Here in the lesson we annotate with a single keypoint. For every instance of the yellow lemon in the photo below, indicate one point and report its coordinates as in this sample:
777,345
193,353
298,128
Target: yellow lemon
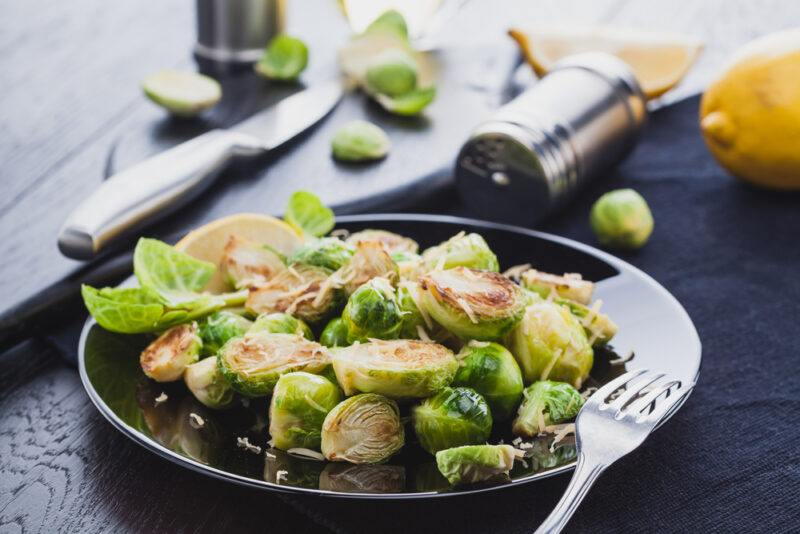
750,115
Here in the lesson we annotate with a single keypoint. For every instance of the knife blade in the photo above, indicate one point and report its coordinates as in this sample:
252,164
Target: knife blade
157,186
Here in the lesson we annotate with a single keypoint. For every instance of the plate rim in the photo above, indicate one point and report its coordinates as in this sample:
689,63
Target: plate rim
193,465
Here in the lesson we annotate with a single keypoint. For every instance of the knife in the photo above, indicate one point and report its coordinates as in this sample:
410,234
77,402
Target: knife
151,189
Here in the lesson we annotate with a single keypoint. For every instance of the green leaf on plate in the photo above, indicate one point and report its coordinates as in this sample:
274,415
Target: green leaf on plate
174,274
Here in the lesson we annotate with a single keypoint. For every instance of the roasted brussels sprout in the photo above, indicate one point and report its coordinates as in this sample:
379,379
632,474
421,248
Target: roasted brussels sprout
219,327
184,94
451,418
334,334
284,58
369,261
461,250
549,343
166,358
372,312
599,327
299,404
546,403
207,384
471,304
622,219
246,263
392,243
364,429
491,370
302,291
392,72
281,323
399,369
475,463
570,286
412,318
542,457
358,141
252,364
365,478
327,252
409,265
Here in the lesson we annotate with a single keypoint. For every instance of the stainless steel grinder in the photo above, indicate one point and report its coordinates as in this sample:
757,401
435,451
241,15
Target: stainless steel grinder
236,31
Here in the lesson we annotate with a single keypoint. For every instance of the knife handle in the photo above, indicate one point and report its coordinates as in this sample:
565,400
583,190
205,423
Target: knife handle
149,190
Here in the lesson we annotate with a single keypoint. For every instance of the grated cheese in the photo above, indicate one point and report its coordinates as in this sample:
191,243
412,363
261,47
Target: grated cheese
161,399
464,306
244,443
516,271
280,475
423,335
561,433
195,421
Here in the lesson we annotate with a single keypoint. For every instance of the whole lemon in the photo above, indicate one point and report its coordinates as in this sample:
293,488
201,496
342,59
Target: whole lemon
750,115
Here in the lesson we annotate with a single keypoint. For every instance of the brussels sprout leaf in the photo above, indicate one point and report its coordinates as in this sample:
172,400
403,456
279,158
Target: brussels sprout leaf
173,274
390,21
411,103
307,214
284,59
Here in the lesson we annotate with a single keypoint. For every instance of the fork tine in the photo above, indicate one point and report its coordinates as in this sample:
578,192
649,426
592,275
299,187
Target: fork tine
662,408
642,403
633,390
600,395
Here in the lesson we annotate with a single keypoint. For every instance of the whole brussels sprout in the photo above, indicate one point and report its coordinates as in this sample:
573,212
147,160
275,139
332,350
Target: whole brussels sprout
328,252
479,305
570,286
281,323
253,363
549,343
364,429
392,243
546,403
399,369
461,250
599,327
334,334
359,141
475,463
207,384
372,312
451,418
491,370
219,327
622,219
365,478
392,72
166,358
246,263
299,404
370,260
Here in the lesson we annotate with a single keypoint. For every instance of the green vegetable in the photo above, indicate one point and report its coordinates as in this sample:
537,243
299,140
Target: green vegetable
461,250
359,141
570,286
409,104
364,478
600,328
175,275
451,418
219,327
307,214
207,384
281,323
334,334
328,252
550,344
412,319
372,312
284,59
392,72
370,260
491,370
364,429
391,22
246,263
184,94
399,369
392,243
299,404
475,463
166,358
546,403
622,219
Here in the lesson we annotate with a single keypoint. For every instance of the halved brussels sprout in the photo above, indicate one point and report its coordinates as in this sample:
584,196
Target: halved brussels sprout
471,304
246,263
491,370
299,404
599,327
391,242
334,334
550,344
253,363
364,429
281,323
328,252
390,21
370,260
372,312
399,369
284,58
409,265
392,72
461,250
451,418
207,384
360,141
570,286
413,320
365,478
475,463
166,358
219,327
300,290
546,403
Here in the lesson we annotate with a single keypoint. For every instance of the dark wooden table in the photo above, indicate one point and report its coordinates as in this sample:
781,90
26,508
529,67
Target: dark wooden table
70,88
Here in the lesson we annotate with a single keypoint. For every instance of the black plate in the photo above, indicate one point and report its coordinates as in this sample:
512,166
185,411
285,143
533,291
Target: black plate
652,324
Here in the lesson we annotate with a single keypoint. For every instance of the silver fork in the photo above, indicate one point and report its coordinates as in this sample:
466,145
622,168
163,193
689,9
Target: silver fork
609,428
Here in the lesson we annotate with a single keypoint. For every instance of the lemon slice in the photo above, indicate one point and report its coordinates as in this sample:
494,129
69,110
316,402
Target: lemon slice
208,242
659,60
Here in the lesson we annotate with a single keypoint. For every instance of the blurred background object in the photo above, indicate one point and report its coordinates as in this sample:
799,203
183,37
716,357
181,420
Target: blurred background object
236,31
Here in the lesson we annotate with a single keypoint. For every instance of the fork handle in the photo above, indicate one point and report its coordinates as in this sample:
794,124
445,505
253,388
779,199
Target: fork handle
586,472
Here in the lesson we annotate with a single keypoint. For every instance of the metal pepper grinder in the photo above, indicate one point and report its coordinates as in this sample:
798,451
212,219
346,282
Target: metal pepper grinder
537,151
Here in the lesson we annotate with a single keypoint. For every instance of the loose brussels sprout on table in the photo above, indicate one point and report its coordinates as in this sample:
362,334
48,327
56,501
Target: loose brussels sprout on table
219,327
359,141
451,418
184,94
334,334
299,404
372,312
476,463
490,369
247,263
281,323
546,403
300,290
622,219
461,250
364,429
208,385
166,358
327,252
284,58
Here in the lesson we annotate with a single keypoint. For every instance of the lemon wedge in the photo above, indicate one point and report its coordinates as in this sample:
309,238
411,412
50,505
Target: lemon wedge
659,60
208,241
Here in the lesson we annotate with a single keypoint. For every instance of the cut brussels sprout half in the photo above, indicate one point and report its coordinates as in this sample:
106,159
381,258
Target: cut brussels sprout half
219,327
252,364
307,214
570,286
491,370
475,463
409,265
364,429
461,250
284,59
372,312
408,104
546,403
392,243
451,418
207,384
328,252
281,323
392,72
358,141
301,291
399,369
390,21
334,334
299,404
184,94
599,327
246,263
622,219
550,344
364,478
370,260
166,358
480,305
